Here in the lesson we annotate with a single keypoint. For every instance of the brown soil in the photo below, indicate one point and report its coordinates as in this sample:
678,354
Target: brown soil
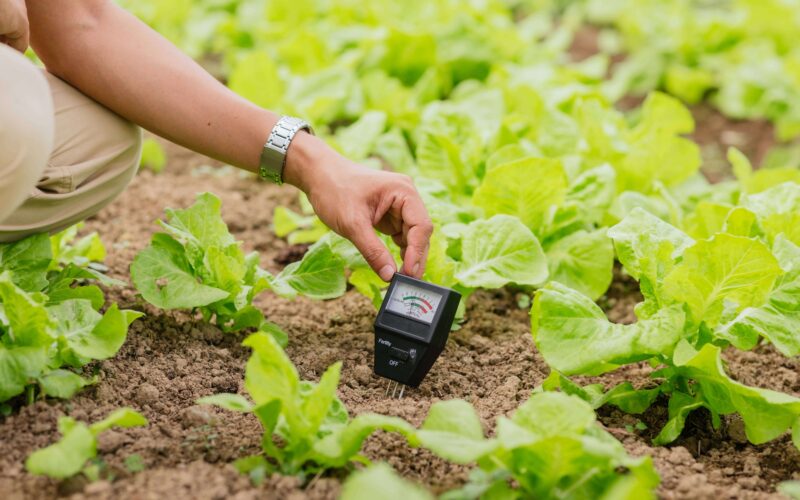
172,358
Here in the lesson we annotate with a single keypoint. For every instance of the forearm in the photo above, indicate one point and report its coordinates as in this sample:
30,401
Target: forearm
120,62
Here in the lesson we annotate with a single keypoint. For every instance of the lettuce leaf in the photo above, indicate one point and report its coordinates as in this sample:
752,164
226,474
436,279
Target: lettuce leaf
575,337
78,444
498,251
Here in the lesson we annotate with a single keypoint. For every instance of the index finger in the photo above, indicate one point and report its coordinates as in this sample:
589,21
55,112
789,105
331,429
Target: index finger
418,228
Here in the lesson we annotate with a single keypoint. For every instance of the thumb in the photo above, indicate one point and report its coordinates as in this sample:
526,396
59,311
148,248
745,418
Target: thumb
374,251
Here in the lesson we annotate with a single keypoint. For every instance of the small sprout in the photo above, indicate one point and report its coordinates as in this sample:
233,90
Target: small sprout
134,463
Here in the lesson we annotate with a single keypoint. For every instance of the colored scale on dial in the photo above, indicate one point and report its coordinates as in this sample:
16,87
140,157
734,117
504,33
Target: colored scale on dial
414,302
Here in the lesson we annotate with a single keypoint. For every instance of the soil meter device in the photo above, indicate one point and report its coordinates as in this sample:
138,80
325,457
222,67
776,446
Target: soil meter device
411,329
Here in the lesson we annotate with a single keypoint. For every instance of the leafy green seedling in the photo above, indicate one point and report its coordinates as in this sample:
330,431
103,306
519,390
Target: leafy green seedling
551,447
740,284
198,264
134,463
78,444
50,327
306,426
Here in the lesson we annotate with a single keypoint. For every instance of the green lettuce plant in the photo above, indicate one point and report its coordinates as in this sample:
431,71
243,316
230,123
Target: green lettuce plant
699,51
551,447
78,445
197,264
51,324
306,427
736,287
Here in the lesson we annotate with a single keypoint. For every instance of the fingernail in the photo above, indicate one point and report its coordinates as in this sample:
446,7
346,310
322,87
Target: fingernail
415,269
386,273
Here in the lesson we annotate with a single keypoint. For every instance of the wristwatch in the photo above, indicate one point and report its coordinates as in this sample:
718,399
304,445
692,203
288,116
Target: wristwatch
273,156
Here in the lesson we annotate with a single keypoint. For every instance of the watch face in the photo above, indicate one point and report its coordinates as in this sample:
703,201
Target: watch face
414,302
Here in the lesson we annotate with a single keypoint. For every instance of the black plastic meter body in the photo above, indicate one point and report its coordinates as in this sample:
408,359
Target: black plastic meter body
412,327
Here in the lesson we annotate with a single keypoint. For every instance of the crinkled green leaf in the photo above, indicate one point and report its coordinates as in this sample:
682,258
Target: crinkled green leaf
365,484
66,250
298,227
164,277
726,267
87,333
368,284
319,275
24,315
550,414
60,287
507,189
358,140
318,403
498,251
623,395
453,430
198,227
226,267
447,150
588,199
269,374
66,457
62,383
575,337
339,448
393,148
680,405
778,320
778,210
121,417
28,261
20,366
78,444
644,242
656,151
707,220
549,447
766,414
440,268
583,261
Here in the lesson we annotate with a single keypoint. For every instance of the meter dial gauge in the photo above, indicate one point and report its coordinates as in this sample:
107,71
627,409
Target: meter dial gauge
414,302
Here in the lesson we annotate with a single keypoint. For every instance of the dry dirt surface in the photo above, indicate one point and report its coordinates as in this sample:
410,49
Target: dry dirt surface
172,358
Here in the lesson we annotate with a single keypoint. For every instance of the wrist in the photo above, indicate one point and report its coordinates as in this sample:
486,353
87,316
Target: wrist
303,159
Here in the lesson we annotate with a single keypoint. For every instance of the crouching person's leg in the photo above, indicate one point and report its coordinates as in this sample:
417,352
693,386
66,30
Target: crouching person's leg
95,155
26,128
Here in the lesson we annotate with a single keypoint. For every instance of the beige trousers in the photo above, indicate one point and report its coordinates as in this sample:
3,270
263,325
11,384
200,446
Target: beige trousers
63,156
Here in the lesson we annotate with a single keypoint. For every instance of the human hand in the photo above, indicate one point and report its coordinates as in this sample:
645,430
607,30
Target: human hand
14,30
352,200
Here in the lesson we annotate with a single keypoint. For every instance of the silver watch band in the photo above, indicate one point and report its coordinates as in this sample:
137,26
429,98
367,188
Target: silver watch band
273,156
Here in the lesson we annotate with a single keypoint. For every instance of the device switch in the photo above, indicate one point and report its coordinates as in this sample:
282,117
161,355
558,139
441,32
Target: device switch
399,354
